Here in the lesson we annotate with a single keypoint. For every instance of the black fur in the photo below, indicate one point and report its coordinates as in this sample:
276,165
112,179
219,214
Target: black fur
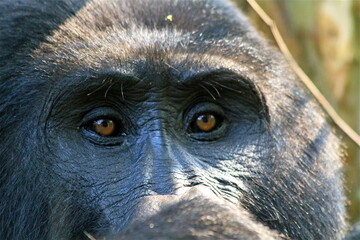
153,63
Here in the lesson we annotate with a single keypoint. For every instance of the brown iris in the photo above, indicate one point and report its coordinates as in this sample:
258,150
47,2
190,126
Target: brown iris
206,122
104,127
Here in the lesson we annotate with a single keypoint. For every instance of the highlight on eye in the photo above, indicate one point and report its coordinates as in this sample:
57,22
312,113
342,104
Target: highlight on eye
206,122
104,127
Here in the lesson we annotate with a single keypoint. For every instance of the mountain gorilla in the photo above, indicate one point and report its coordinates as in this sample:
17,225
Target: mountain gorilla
162,119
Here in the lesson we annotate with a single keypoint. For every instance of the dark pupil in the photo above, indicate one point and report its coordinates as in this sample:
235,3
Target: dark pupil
103,123
204,118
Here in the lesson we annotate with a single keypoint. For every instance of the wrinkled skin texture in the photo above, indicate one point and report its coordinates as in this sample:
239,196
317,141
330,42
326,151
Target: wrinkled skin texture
271,166
199,215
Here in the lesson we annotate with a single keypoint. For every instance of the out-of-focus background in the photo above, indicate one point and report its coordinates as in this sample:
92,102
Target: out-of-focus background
324,38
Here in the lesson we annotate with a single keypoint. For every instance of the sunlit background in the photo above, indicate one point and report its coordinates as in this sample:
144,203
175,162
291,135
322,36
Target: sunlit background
324,38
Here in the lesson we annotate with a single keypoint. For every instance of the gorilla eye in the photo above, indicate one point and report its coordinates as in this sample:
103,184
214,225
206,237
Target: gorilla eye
103,122
104,127
206,122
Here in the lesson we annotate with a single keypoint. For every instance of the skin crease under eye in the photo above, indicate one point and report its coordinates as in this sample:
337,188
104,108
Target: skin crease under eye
206,122
104,127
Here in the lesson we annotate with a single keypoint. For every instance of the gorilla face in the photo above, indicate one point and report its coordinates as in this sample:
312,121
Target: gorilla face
118,116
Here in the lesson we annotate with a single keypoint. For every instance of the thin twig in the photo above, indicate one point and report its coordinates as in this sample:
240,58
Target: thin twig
89,235
301,74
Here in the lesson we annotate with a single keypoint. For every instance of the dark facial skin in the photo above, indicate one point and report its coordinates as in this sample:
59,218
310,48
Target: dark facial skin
69,70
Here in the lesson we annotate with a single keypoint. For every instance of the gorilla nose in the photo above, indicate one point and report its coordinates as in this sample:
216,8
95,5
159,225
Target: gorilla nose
152,205
196,213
